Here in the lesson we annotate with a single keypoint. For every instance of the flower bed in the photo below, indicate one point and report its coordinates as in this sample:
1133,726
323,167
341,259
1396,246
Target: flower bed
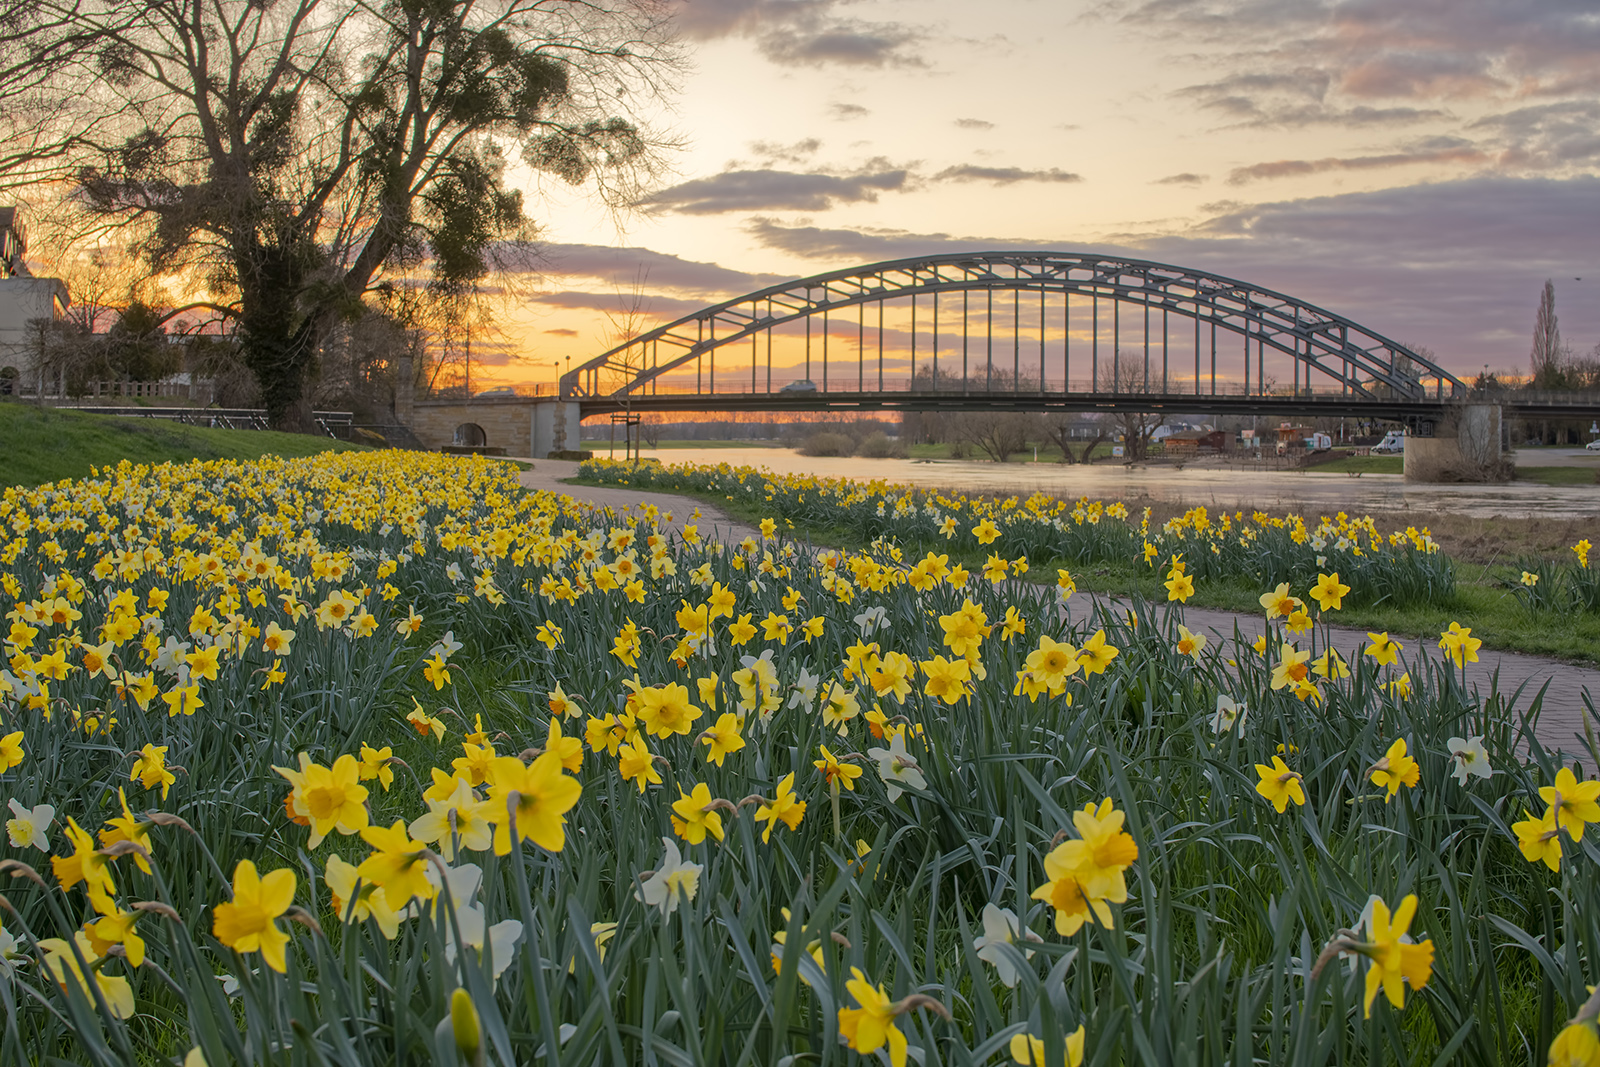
375,758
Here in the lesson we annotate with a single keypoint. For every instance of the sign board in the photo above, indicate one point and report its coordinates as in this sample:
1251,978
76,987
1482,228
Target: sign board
1116,451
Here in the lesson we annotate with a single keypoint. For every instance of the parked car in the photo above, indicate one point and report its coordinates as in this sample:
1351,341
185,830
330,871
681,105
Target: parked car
802,386
1593,446
1393,444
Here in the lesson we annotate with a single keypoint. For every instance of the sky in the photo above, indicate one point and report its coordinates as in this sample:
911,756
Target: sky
1419,166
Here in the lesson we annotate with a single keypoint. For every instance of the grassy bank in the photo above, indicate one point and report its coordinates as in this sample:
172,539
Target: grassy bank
39,445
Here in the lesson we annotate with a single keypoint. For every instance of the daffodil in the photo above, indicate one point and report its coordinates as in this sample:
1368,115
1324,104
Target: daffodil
1395,769
247,923
1001,927
332,798
1279,785
674,882
695,814
1539,839
784,807
724,737
870,1026
1392,960
1027,1049
1574,802
31,826
61,961
1329,592
398,864
1470,758
897,767
530,802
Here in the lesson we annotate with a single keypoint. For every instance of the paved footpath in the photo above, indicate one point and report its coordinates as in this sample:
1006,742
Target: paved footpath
1565,685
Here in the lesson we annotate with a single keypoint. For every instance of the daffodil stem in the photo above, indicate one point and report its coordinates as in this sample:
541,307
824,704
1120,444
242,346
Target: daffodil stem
833,792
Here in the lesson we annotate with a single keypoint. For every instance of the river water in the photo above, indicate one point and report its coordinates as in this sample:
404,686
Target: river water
1233,487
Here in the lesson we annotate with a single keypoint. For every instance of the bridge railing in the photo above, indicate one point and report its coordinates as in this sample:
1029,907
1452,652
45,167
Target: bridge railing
981,385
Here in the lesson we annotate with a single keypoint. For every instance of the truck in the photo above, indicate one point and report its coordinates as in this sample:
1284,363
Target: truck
1393,444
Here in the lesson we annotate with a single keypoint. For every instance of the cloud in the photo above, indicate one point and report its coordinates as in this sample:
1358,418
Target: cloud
1186,178
1003,175
974,124
1547,136
795,154
858,44
1456,266
847,112
651,306
1453,151
845,246
625,267
801,32
774,190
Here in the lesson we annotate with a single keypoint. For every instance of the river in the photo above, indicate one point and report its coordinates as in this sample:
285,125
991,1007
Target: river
1233,487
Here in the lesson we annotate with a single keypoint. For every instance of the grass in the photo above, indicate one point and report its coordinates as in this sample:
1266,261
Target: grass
1484,601
46,445
1559,475
1361,465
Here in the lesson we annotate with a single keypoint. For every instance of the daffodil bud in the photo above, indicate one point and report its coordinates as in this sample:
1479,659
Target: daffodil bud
464,1023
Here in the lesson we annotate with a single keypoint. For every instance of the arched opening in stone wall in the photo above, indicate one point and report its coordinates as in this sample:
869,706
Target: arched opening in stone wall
470,435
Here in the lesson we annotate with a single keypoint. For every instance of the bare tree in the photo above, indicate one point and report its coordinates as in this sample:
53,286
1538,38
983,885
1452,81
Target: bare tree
998,434
1058,431
1546,356
1135,427
282,158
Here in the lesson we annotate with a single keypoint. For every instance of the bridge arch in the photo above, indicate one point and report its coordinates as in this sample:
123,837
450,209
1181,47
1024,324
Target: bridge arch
1328,352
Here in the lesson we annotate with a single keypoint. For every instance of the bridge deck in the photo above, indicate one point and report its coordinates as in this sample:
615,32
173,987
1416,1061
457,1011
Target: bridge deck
1310,404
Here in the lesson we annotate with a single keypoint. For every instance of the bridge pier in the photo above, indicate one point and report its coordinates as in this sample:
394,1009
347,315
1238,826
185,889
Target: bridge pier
555,427
1465,446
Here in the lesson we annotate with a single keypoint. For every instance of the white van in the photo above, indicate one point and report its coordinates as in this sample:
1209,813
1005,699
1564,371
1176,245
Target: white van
1393,444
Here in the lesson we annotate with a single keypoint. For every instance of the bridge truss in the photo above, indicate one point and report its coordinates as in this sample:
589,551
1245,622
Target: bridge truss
1157,334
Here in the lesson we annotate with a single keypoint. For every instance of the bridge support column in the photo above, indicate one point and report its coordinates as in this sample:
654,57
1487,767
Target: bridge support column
555,427
1464,447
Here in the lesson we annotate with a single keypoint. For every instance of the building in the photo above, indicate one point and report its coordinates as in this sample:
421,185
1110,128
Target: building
1193,442
26,302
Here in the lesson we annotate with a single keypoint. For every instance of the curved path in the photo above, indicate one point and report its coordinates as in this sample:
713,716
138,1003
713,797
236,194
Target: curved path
1571,692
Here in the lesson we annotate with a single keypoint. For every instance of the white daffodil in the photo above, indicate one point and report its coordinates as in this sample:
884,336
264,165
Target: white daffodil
8,952
805,691
471,827
871,620
1000,927
501,938
897,768
170,658
1229,716
447,645
31,826
673,878
453,572
1471,758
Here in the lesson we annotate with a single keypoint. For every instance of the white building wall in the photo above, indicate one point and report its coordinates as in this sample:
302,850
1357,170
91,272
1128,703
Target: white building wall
23,300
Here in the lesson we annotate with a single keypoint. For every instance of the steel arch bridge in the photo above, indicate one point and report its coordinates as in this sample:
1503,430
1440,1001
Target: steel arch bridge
1127,353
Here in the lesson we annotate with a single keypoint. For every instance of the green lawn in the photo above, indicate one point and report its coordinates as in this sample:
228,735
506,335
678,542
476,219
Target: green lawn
39,445
1558,475
1361,465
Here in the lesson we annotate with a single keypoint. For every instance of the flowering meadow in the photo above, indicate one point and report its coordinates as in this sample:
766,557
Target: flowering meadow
1401,569
377,758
